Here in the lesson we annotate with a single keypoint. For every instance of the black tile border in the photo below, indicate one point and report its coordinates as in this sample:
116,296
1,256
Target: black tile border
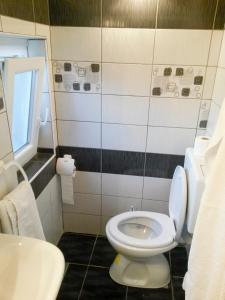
162,165
43,179
123,162
28,10
85,13
174,14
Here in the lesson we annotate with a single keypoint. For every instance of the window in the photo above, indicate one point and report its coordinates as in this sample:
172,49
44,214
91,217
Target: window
23,85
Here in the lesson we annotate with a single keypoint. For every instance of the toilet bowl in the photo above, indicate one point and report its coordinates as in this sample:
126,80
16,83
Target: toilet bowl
141,238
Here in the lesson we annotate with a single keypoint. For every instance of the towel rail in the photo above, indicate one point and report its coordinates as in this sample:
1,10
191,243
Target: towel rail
13,163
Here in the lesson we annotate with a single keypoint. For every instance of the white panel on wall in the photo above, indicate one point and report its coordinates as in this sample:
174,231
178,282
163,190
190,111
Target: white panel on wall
156,188
45,138
127,45
126,79
45,105
219,87
213,117
170,140
125,109
174,112
124,137
85,203
79,134
209,82
221,62
122,185
78,107
87,182
112,206
13,25
156,206
5,142
214,52
44,31
81,223
73,43
178,46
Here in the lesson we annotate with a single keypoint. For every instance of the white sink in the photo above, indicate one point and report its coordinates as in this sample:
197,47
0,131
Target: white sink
30,269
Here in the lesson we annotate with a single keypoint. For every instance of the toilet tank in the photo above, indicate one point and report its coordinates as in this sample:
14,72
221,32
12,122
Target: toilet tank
194,169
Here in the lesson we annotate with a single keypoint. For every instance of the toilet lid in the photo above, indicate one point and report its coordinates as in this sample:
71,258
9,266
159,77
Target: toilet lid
178,200
142,229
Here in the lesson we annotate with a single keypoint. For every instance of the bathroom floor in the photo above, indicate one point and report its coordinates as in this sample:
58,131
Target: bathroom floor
88,258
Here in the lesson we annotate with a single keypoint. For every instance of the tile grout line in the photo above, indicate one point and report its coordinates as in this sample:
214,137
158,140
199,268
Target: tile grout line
81,289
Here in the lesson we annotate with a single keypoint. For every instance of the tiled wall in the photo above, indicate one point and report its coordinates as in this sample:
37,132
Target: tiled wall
133,85
33,21
219,89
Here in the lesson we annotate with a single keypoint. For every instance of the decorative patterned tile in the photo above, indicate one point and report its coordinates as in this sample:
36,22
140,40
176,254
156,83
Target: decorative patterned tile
99,286
145,294
103,254
76,248
72,282
77,77
85,13
129,13
179,261
178,82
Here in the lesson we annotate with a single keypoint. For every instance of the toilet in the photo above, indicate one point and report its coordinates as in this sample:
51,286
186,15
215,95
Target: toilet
141,237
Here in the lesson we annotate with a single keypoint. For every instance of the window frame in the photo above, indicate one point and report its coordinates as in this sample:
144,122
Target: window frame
11,68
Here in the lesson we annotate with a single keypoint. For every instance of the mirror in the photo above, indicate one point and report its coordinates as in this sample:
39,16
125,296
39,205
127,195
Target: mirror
27,103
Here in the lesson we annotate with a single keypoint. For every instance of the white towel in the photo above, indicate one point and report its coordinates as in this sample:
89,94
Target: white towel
216,138
21,209
205,279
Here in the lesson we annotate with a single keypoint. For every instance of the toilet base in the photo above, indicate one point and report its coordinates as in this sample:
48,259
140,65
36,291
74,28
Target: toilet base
153,272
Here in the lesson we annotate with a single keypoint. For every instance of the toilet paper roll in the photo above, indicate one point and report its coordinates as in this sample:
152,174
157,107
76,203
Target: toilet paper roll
65,166
201,144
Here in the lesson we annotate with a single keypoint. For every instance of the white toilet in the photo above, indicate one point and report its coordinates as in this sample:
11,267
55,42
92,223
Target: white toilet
141,237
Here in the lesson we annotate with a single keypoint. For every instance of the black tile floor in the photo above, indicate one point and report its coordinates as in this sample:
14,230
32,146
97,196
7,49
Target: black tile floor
88,259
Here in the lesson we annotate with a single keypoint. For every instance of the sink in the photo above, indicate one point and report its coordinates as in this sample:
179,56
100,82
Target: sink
29,269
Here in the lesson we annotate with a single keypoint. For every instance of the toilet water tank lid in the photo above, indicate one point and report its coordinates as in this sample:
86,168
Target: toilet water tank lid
178,200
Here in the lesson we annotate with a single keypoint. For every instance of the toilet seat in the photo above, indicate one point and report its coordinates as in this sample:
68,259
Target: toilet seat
160,227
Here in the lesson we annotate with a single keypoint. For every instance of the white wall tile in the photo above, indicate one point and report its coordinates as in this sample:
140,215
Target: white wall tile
112,206
125,109
124,137
79,134
13,25
44,31
213,117
170,140
126,79
209,82
79,107
5,141
87,182
178,46
127,45
221,62
81,223
85,203
104,220
155,206
214,52
76,43
174,112
156,188
219,87
122,185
